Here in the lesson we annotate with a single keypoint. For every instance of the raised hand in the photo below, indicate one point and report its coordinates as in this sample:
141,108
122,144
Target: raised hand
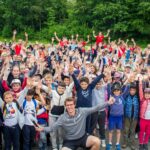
26,34
14,32
111,101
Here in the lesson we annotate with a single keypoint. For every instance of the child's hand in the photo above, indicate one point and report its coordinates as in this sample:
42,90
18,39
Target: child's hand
111,101
39,129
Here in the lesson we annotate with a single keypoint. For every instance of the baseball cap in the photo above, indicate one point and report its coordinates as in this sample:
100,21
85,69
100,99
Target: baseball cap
15,81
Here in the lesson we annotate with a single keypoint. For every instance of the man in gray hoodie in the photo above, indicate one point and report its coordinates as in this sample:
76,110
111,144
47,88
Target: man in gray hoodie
73,121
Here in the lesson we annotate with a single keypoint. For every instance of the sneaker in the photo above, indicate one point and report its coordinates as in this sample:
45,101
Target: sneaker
109,147
145,146
141,147
118,147
132,147
124,146
136,136
103,143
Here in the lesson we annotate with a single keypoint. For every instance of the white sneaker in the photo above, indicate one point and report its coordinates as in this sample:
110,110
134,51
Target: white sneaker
136,136
60,146
103,143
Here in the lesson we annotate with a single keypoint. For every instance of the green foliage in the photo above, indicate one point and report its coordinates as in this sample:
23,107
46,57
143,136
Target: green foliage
41,18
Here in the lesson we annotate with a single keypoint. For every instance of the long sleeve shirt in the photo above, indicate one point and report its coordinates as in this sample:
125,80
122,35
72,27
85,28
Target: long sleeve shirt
84,97
74,126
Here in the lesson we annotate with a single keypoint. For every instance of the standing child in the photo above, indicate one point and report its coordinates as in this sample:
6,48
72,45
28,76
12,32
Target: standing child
116,113
29,105
131,112
11,115
99,96
144,133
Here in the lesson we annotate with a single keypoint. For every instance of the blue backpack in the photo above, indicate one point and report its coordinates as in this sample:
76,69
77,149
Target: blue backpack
33,100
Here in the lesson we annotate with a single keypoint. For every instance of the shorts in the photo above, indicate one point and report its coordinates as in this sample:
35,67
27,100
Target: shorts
115,122
74,144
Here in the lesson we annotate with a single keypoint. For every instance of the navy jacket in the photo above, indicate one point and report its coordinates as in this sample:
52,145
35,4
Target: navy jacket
84,97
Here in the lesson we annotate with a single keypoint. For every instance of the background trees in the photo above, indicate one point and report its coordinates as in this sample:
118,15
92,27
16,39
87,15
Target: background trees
40,18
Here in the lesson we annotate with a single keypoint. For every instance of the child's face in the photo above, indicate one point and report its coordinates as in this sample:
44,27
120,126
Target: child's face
48,81
92,69
29,97
84,85
43,94
8,98
147,95
16,71
61,89
117,92
132,91
16,87
67,81
99,85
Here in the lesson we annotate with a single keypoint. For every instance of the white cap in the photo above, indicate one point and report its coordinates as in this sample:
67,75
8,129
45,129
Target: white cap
15,81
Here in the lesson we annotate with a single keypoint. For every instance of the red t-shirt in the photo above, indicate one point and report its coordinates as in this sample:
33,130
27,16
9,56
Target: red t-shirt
83,43
99,39
132,49
63,43
18,49
123,49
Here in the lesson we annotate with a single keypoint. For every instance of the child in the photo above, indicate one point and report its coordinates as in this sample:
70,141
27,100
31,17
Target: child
144,133
57,108
29,106
11,115
69,85
42,116
131,111
116,114
99,96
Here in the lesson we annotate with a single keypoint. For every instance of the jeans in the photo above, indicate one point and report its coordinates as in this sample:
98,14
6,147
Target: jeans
56,134
11,136
28,136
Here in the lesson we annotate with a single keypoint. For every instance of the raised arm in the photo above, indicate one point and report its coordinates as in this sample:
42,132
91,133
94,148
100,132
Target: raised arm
26,39
141,94
94,34
55,34
108,31
76,82
93,84
14,36
88,39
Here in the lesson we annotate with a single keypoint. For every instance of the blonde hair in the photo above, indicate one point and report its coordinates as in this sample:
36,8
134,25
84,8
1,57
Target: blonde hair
48,76
7,93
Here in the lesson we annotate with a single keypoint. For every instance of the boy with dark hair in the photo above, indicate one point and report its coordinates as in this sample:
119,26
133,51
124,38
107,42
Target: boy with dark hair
131,112
116,112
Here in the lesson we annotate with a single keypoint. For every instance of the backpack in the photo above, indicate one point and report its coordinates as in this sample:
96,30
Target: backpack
25,102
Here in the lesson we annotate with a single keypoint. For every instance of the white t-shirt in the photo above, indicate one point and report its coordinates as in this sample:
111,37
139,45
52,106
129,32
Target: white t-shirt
30,112
11,117
147,113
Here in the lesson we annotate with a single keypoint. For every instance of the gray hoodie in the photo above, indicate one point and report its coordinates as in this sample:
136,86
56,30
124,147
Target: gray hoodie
74,126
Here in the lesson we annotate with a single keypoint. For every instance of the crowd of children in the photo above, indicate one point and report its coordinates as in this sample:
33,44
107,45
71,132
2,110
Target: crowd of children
36,79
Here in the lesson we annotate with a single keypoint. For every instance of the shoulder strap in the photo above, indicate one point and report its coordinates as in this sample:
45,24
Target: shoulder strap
24,103
35,103
4,107
33,100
